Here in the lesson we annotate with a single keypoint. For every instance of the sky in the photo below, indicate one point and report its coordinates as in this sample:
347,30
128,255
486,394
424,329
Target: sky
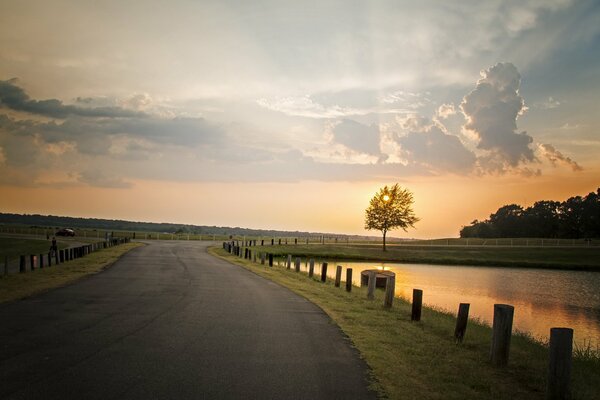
291,115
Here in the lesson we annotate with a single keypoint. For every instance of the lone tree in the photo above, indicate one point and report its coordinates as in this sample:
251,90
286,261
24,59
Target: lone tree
389,209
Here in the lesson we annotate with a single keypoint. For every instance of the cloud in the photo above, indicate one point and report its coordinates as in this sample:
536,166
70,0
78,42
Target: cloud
356,136
98,178
15,98
556,157
491,110
446,110
548,104
426,144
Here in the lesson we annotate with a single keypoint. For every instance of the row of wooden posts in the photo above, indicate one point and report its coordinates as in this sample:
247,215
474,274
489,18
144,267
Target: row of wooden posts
61,256
561,339
279,241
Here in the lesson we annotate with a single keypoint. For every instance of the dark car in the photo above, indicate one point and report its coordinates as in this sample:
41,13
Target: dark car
65,232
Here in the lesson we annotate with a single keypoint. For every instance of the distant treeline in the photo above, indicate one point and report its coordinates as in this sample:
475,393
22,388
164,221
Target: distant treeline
36,220
575,218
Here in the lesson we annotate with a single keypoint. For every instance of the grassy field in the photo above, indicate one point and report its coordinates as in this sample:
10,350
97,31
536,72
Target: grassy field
14,247
583,258
18,286
420,360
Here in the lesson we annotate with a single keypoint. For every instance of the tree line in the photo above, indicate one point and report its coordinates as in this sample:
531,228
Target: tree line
575,218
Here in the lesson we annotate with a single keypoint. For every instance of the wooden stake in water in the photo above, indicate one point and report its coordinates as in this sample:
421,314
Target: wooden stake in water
461,322
559,367
501,334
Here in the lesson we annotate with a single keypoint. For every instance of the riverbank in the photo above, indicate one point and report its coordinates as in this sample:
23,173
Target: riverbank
18,286
570,258
421,359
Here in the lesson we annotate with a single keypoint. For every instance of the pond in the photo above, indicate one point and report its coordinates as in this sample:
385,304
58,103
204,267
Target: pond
542,298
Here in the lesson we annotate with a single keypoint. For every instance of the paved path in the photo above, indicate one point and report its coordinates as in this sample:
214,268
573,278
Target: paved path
169,321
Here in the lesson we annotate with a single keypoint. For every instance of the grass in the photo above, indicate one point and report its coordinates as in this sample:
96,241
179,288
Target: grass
420,359
14,247
582,258
18,286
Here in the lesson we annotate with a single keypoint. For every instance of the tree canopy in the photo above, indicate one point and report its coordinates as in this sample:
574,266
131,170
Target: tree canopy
574,218
389,209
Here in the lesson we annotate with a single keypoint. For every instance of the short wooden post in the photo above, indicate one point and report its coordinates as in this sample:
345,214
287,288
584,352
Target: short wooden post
41,261
22,264
254,256
297,264
461,322
417,304
324,272
348,279
390,288
311,267
270,259
559,367
50,259
289,262
262,258
501,333
371,285
279,242
272,242
32,262
338,275
262,242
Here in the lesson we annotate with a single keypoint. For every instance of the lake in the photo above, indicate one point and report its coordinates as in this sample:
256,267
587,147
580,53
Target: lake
542,298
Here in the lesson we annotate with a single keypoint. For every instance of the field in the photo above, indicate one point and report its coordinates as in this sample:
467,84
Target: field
576,258
421,359
18,286
14,247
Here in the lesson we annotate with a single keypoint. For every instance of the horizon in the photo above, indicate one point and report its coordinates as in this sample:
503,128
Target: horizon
291,117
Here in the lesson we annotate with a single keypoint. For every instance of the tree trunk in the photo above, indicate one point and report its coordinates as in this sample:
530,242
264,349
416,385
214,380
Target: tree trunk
384,233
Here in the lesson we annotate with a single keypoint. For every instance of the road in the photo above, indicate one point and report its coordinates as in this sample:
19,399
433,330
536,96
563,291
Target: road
169,321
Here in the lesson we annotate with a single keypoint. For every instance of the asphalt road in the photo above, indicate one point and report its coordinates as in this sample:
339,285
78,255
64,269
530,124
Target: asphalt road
169,321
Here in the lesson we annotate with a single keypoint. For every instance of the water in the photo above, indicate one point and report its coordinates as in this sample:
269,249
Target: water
542,298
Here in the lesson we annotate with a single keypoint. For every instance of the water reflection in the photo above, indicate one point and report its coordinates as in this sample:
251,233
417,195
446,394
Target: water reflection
542,298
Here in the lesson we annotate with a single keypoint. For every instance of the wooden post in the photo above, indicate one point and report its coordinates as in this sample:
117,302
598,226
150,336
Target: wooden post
41,261
22,264
311,267
56,258
371,285
289,262
49,258
32,262
324,272
559,367
461,322
502,330
390,288
254,256
297,264
338,275
417,304
270,259
348,279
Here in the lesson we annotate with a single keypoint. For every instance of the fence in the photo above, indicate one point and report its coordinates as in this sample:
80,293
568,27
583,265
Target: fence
34,261
561,339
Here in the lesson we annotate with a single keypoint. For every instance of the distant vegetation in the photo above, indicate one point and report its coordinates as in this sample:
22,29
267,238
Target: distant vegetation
575,218
36,220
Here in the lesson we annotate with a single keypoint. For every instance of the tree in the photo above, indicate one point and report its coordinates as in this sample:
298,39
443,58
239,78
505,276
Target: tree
389,209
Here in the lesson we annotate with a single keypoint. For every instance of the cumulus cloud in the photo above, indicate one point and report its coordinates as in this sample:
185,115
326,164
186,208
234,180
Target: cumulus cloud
15,98
492,109
356,136
556,157
426,144
446,110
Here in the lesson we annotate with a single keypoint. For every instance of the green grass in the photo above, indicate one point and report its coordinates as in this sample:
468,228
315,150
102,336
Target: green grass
15,247
420,360
582,258
18,286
